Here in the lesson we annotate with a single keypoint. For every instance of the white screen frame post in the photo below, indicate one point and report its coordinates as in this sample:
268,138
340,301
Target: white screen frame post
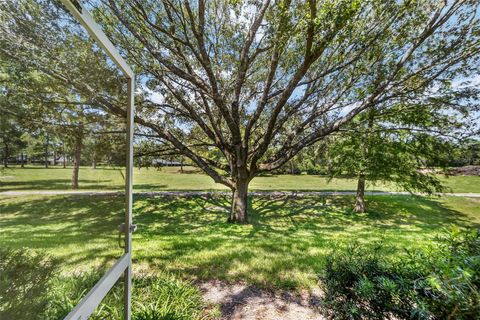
124,265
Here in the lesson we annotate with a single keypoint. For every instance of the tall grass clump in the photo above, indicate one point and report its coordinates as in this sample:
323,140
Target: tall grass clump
31,287
66,291
159,297
166,297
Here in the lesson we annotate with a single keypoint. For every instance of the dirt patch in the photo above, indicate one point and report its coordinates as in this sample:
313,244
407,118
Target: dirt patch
465,171
241,301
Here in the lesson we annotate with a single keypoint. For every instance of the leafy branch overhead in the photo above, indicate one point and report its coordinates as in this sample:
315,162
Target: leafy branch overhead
262,81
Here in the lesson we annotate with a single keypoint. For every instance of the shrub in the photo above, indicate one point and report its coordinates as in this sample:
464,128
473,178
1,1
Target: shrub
451,287
439,282
24,282
361,283
313,169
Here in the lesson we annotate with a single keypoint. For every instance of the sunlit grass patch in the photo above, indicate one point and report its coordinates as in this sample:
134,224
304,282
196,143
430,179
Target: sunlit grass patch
171,178
286,243
284,246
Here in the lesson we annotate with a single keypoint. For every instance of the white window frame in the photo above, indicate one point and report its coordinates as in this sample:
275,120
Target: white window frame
92,299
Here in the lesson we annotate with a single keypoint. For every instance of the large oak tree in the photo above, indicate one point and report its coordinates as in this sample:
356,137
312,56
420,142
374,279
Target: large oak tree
261,80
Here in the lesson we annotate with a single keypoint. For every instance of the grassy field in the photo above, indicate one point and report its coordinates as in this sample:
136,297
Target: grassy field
39,178
283,247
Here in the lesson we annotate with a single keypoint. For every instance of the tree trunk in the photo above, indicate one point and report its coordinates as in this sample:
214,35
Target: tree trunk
94,157
64,155
46,152
360,197
6,155
22,161
54,157
239,211
77,158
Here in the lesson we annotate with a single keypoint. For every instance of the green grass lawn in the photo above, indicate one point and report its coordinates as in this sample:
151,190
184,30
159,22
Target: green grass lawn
284,246
80,231
39,178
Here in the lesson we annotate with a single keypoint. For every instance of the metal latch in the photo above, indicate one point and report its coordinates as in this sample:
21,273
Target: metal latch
121,230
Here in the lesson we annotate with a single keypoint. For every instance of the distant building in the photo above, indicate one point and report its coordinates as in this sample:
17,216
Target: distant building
165,163
37,160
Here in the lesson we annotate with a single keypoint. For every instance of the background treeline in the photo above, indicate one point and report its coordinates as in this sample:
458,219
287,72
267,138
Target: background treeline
37,147
46,123
310,162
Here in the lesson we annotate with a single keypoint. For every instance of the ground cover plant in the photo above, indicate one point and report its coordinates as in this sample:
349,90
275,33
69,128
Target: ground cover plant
159,297
171,178
441,281
43,293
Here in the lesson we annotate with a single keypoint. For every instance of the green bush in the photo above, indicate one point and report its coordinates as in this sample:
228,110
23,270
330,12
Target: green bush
362,284
313,169
439,282
451,288
24,283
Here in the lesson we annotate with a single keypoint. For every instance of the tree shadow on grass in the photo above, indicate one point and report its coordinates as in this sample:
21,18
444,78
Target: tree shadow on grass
151,187
57,184
287,240
78,230
284,245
